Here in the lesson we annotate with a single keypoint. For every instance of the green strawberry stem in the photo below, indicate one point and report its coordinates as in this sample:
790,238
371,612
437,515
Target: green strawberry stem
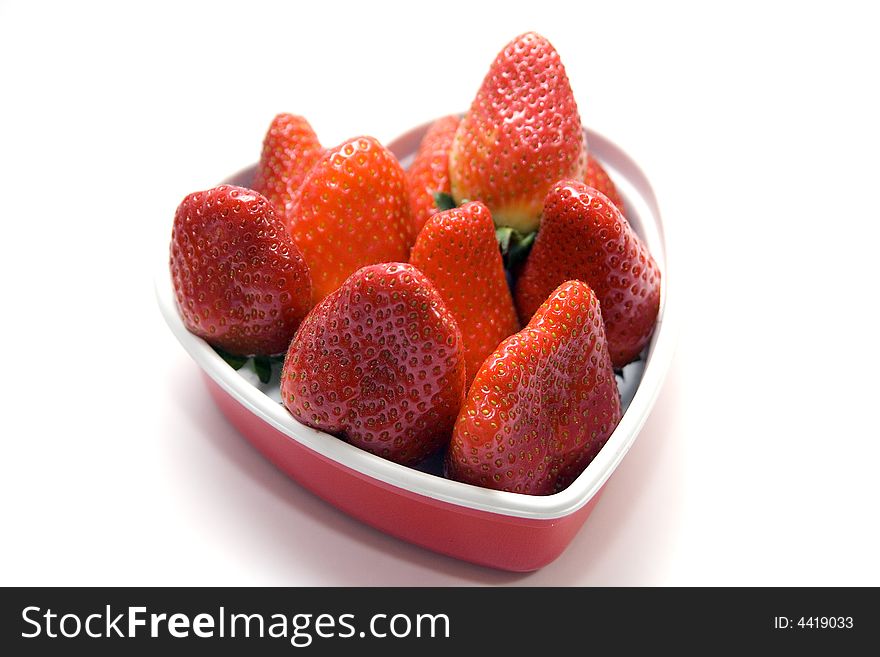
263,368
444,201
262,364
503,234
514,245
234,361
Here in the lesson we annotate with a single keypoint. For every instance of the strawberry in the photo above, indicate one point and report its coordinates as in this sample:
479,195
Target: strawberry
379,363
429,172
521,134
290,149
597,178
350,211
584,236
543,404
241,283
458,251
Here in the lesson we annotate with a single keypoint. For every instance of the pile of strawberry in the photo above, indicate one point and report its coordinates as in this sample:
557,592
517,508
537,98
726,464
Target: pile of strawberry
478,302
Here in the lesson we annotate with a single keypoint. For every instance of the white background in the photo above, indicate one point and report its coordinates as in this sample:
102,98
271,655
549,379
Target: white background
757,123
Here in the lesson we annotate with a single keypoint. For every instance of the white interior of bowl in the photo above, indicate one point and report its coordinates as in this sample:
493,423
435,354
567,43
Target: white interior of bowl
639,387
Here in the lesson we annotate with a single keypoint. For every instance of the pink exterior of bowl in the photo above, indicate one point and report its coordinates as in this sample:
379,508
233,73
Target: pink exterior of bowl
522,540
488,539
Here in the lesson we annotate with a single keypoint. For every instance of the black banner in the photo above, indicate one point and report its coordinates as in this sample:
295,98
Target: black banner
113,621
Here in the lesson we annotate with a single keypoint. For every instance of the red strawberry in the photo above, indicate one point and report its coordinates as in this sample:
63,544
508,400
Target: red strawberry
458,251
290,149
522,134
351,211
543,404
379,363
429,171
597,178
241,283
584,236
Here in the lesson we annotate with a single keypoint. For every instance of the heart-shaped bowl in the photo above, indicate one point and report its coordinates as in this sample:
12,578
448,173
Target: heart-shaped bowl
510,531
